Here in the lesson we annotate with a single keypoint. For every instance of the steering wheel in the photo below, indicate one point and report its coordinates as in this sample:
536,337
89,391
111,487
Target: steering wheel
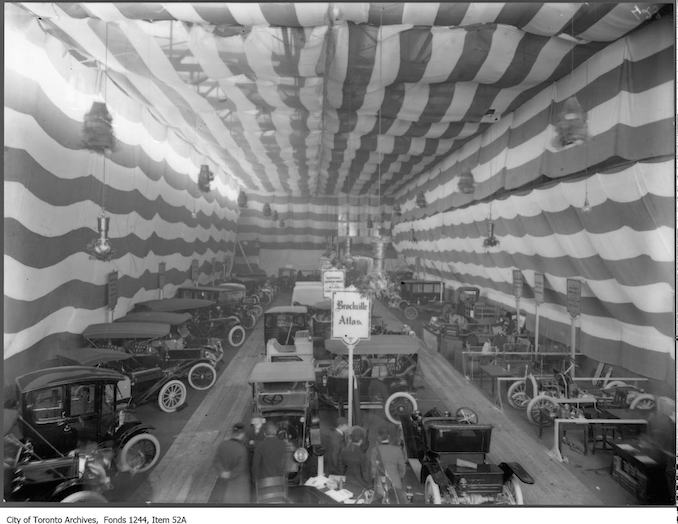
271,400
467,416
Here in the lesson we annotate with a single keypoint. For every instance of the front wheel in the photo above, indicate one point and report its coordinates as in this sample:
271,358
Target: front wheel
236,336
398,405
84,497
512,493
541,410
172,396
257,310
643,401
431,491
266,298
411,312
139,453
202,376
248,320
516,396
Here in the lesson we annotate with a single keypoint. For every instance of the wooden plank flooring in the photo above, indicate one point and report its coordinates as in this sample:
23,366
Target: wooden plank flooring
186,473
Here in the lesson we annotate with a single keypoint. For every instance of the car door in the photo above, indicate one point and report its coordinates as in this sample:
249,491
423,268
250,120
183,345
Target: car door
46,421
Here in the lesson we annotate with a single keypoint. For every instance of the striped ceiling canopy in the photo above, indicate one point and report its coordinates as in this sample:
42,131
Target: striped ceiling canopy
310,99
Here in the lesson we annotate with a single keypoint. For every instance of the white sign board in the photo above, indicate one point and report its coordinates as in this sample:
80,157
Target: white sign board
333,280
351,314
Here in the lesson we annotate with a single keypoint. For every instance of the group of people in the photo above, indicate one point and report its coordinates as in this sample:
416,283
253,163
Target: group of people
377,465
254,454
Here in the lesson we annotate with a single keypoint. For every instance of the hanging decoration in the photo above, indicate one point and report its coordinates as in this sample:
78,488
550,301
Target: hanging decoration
275,215
205,178
466,183
491,240
282,222
587,206
370,224
101,248
421,199
571,125
97,129
413,238
242,199
396,210
267,209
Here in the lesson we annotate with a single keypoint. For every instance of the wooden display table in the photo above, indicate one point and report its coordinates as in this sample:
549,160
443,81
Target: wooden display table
641,469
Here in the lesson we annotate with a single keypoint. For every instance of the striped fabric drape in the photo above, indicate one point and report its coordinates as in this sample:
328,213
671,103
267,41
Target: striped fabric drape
54,189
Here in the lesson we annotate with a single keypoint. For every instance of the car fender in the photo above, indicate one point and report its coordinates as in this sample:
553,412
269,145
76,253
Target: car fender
514,468
314,432
128,430
433,468
66,488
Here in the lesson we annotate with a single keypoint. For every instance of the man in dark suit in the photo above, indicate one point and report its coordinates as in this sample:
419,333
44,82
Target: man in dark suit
270,454
334,441
233,483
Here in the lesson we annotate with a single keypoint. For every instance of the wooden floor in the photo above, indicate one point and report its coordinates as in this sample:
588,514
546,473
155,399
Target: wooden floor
186,475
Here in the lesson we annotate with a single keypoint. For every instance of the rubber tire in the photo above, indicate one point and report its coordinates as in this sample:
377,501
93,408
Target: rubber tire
249,322
531,406
208,369
178,386
513,485
517,388
614,384
432,492
390,400
266,299
123,461
84,497
403,304
235,341
411,312
257,310
646,401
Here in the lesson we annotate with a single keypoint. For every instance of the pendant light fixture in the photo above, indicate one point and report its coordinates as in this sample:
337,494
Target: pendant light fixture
491,240
205,178
466,183
267,210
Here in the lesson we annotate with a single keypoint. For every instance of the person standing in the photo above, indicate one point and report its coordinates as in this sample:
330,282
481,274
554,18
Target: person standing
353,463
387,465
334,442
270,455
233,483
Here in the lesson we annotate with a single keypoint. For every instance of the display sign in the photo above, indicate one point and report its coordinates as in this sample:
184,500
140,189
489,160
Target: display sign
539,288
333,280
517,283
112,289
161,275
351,313
194,270
573,297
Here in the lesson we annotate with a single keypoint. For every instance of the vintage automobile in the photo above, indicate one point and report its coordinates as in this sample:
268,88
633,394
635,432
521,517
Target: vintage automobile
384,367
140,384
282,323
182,342
448,454
286,278
417,296
61,409
283,393
152,345
207,319
257,285
231,303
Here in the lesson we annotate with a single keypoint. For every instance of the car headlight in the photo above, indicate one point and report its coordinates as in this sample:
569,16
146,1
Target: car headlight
300,455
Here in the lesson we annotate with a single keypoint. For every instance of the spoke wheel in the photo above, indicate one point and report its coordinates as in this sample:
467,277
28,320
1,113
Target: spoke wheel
540,410
202,376
266,299
467,415
398,405
139,454
249,320
512,493
516,396
411,312
643,401
236,336
172,396
84,497
431,491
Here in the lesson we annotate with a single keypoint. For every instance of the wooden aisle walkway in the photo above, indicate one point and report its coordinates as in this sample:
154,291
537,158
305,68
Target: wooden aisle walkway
186,473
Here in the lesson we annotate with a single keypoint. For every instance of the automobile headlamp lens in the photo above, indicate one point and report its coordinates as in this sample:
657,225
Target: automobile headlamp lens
300,455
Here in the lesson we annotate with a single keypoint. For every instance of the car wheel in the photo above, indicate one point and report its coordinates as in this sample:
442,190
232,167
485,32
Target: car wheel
466,415
266,299
249,320
512,493
139,453
84,497
432,491
644,401
257,310
541,410
516,396
236,336
403,304
398,405
172,396
202,376
614,384
411,312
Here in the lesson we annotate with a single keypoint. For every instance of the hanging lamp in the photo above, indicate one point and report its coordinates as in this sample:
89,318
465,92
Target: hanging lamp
267,209
491,240
466,183
242,199
205,178
97,129
421,199
275,215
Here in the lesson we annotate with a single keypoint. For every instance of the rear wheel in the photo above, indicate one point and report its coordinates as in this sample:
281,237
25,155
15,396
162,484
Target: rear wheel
248,320
512,493
402,305
257,310
85,497
431,491
236,336
172,396
139,453
202,376
516,396
266,298
643,401
398,405
542,410
411,312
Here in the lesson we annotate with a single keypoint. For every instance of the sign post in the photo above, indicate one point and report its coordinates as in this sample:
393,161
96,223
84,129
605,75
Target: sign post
538,299
517,293
333,280
112,292
350,324
574,309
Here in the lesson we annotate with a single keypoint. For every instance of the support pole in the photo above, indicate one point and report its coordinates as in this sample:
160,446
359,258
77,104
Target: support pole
536,328
351,347
573,351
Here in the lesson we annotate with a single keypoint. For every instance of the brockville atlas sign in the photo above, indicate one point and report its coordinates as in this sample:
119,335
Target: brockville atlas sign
350,316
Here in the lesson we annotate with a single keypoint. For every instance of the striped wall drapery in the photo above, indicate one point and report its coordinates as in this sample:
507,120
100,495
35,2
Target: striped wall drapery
54,189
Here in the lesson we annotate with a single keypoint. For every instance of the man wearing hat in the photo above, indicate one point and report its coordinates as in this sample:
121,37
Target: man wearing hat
334,441
354,464
233,483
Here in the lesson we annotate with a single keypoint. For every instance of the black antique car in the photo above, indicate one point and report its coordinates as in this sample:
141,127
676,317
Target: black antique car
231,303
419,296
146,379
384,367
448,454
257,285
283,393
155,350
68,408
282,323
207,318
286,278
